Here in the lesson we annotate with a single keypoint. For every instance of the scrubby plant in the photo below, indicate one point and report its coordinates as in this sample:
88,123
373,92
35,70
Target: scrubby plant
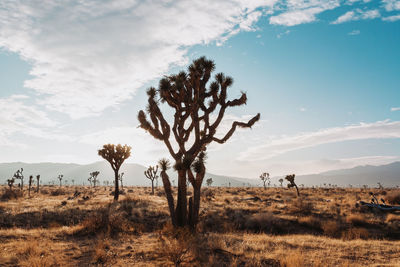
115,155
264,177
60,177
193,127
290,179
151,174
209,181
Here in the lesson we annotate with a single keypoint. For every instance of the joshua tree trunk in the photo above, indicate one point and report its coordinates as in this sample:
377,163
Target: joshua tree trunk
181,205
152,187
116,190
170,198
37,187
297,190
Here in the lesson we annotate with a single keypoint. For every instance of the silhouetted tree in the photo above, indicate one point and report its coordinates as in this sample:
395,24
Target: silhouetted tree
281,181
264,177
93,178
60,177
290,179
194,125
209,181
120,176
73,181
10,182
115,155
30,184
151,174
19,175
37,183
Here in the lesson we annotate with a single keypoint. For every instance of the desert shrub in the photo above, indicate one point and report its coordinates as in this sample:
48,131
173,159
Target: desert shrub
263,222
108,221
331,228
11,194
356,220
44,191
58,192
310,221
393,197
355,233
207,192
302,206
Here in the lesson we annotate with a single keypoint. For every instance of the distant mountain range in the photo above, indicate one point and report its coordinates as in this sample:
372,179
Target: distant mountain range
388,175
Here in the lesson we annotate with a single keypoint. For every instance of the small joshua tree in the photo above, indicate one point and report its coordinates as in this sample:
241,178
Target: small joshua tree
198,110
120,176
115,155
281,181
93,178
151,174
209,181
264,177
18,175
10,182
73,182
30,184
37,183
60,177
290,179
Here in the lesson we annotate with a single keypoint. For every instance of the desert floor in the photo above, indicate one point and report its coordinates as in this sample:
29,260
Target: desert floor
81,226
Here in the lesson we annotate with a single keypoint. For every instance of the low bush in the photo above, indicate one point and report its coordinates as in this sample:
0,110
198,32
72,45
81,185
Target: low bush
393,197
11,194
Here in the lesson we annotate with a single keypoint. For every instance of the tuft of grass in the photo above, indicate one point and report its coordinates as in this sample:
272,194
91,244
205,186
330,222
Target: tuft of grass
292,259
356,220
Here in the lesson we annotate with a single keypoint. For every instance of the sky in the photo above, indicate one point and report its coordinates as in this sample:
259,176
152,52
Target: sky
324,74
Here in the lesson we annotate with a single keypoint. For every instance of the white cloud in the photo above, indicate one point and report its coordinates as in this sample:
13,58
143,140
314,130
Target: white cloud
391,18
303,109
391,5
299,12
284,144
357,14
395,109
17,116
88,55
354,32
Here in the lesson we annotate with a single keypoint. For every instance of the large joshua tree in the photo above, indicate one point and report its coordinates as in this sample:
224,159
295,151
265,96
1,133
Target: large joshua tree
198,109
115,155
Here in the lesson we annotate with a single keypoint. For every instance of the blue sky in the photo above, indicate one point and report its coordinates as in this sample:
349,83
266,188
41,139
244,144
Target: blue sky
323,74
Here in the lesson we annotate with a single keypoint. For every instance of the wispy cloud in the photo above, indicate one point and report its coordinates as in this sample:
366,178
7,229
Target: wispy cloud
395,109
357,14
391,18
354,32
284,144
88,55
300,12
18,116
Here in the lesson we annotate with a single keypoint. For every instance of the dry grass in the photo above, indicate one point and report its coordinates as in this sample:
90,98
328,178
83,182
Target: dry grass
238,227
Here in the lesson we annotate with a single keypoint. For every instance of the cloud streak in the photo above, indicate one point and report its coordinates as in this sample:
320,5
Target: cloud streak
274,147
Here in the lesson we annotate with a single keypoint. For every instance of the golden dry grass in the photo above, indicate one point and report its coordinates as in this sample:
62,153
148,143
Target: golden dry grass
238,227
